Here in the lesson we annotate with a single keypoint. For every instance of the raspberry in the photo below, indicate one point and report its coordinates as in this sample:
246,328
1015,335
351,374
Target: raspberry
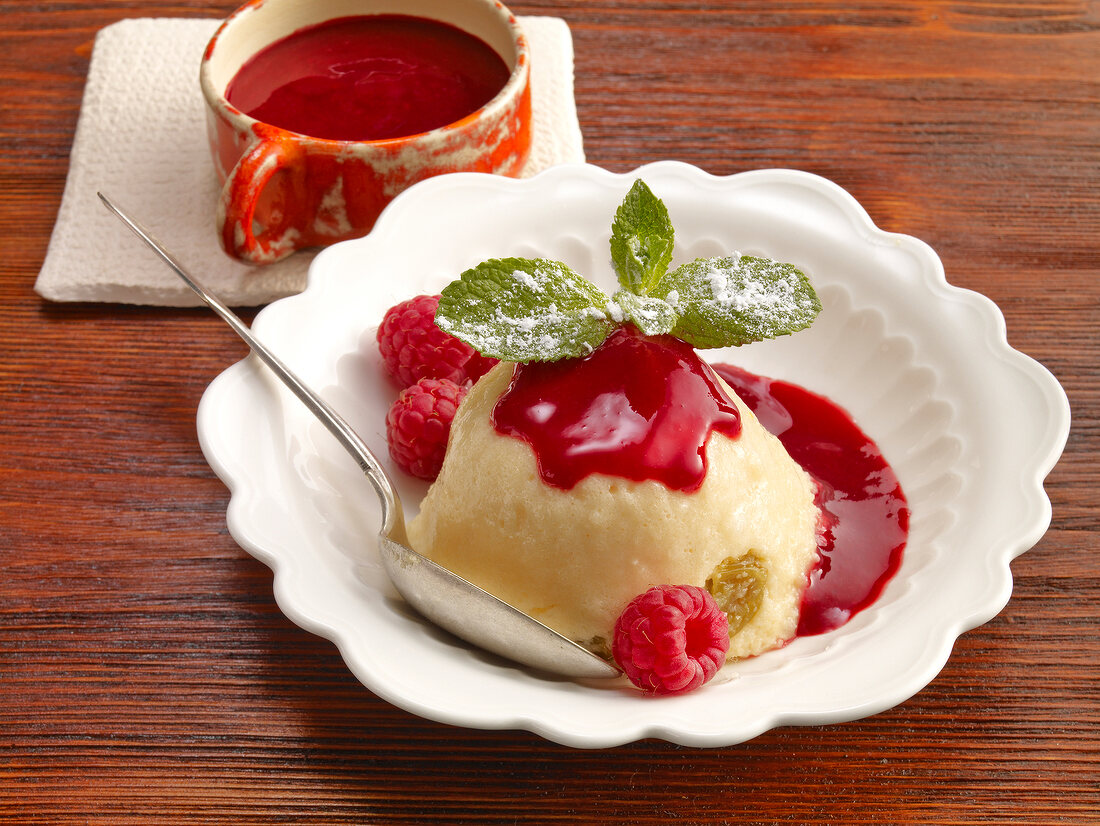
671,639
414,348
418,424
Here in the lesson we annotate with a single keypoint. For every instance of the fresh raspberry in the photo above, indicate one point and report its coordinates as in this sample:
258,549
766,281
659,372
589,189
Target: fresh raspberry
671,639
419,422
414,348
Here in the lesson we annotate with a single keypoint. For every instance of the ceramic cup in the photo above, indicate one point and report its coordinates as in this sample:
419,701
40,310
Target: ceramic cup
285,191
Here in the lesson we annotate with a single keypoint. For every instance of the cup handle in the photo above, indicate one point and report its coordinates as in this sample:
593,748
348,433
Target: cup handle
240,196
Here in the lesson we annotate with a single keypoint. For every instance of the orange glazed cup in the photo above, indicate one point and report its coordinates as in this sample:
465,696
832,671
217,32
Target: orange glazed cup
284,191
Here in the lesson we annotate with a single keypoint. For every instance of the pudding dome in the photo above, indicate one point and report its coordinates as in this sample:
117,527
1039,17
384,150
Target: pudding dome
574,554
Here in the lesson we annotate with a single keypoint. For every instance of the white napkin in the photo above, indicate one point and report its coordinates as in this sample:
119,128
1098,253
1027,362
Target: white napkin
141,140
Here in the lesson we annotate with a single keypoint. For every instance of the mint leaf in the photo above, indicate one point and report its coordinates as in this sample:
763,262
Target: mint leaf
727,302
521,309
652,316
641,240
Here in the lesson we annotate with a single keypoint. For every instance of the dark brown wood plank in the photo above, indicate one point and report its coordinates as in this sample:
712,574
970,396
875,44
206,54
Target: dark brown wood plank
146,674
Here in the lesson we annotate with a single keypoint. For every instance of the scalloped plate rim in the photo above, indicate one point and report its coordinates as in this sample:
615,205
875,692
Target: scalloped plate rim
659,725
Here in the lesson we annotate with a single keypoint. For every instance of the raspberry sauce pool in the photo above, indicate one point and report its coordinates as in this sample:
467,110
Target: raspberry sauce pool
864,512
369,77
643,407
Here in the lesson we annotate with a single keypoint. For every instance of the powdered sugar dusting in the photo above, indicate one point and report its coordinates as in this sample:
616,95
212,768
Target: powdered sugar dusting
743,285
528,280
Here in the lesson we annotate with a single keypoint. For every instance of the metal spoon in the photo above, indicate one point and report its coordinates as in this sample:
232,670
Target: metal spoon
441,596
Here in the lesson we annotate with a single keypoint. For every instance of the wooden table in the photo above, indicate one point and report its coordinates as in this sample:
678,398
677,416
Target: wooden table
146,674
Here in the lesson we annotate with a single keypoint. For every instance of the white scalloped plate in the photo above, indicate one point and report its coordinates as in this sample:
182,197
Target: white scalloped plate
923,367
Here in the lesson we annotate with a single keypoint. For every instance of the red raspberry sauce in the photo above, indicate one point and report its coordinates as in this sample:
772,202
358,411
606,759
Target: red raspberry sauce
656,404
369,77
864,512
642,408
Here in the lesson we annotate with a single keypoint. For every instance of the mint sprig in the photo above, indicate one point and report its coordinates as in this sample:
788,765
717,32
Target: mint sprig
521,309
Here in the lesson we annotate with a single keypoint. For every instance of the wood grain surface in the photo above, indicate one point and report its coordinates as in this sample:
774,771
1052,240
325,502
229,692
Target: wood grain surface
146,674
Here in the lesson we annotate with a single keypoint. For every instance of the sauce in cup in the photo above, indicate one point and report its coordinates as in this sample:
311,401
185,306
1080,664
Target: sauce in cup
369,77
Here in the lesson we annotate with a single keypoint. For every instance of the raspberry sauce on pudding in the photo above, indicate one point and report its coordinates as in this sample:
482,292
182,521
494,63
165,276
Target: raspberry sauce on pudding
369,77
637,407
642,407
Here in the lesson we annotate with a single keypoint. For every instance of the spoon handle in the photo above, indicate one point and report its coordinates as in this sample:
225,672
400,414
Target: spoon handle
332,420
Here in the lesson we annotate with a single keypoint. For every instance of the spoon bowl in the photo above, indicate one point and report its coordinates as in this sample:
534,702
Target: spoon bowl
441,596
